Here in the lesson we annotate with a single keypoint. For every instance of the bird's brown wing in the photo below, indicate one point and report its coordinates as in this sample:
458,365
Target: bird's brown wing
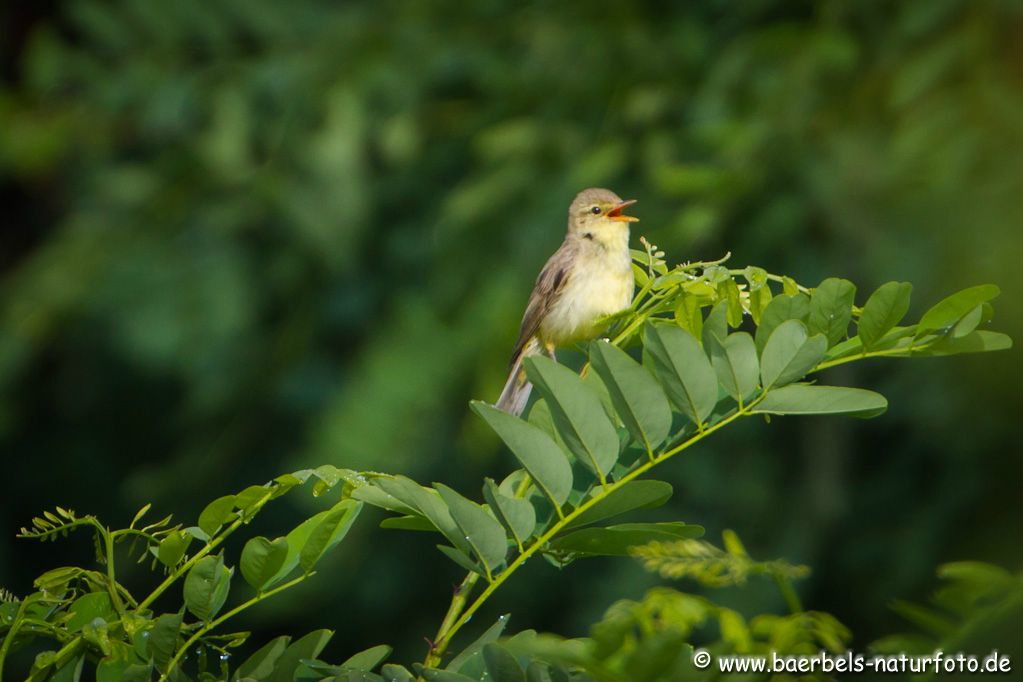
549,286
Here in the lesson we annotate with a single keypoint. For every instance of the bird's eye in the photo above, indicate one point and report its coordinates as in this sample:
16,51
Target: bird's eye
595,210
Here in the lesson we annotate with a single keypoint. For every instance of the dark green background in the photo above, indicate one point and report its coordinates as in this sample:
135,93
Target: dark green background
244,237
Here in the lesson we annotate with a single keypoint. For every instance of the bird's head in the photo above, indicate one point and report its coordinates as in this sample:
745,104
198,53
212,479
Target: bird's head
598,212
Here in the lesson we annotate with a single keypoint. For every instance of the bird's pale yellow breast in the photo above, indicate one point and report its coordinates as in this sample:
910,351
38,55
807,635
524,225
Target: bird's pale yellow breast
600,283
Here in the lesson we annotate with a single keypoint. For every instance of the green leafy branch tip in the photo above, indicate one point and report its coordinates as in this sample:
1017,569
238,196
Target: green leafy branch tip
712,344
91,615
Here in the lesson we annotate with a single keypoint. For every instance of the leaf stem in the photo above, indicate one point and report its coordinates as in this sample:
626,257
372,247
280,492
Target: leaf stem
112,585
458,601
788,593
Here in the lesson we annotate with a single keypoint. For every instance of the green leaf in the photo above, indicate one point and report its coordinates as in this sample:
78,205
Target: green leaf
484,532
684,370
260,665
206,587
261,560
717,322
756,277
409,522
968,322
789,354
501,664
831,309
462,559
780,309
616,540
636,494
758,302
87,608
172,548
516,514
425,502
977,574
396,673
70,671
593,381
689,315
375,496
217,513
541,456
807,399
884,309
950,310
637,397
733,302
368,659
939,624
974,342
97,633
470,660
122,665
577,413
331,529
304,533
250,500
163,641
306,648
434,675
735,362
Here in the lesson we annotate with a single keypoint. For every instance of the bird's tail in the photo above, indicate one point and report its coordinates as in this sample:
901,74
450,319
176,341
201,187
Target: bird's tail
516,390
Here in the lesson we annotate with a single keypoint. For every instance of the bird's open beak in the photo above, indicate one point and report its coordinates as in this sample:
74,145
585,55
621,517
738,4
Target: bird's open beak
616,212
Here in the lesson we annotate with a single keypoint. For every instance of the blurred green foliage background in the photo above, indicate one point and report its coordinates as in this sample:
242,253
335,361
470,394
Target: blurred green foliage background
240,238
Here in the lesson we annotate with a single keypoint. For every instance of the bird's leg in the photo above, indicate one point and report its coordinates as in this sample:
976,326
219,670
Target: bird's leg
550,351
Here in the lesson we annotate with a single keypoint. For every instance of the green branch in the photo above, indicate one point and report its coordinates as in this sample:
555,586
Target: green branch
440,646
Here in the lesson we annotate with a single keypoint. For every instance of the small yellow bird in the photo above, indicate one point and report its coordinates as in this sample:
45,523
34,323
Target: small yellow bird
589,277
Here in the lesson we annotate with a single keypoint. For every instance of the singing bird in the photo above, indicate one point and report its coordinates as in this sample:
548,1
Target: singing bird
588,278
